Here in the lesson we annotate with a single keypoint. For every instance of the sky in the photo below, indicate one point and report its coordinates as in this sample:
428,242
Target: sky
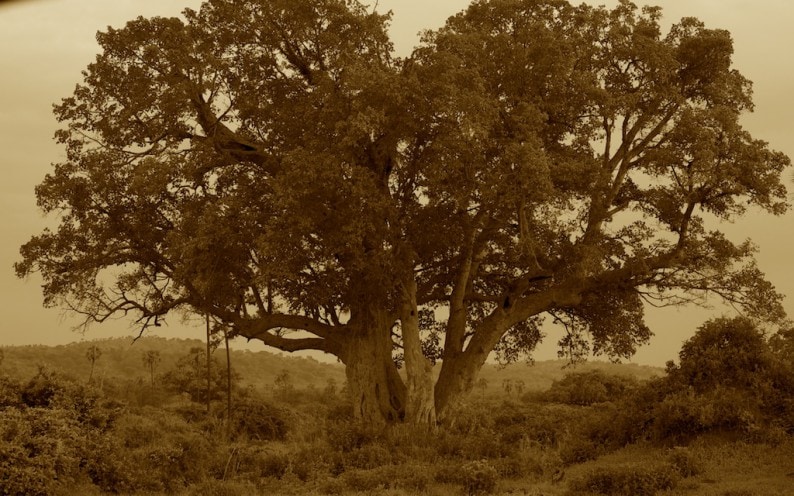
46,43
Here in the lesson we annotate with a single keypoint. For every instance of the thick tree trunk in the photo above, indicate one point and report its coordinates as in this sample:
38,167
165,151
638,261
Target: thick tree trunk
455,381
420,404
377,390
459,371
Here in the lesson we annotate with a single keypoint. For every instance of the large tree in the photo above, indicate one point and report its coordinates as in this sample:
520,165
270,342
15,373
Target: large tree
272,164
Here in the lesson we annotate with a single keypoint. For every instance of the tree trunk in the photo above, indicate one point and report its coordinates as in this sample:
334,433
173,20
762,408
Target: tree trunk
376,387
209,364
456,379
420,404
228,384
459,371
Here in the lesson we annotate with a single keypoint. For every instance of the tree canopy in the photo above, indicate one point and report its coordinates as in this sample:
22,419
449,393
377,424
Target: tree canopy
274,165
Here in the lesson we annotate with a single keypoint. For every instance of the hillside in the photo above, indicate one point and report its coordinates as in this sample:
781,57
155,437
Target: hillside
122,359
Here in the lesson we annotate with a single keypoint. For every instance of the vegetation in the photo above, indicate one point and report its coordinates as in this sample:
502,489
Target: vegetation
272,166
590,433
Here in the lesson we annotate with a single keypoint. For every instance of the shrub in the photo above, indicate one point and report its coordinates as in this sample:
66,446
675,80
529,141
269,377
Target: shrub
685,462
347,436
449,473
627,480
578,450
273,465
587,388
479,477
315,459
368,456
10,392
684,414
518,466
39,448
256,419
166,452
400,477
214,487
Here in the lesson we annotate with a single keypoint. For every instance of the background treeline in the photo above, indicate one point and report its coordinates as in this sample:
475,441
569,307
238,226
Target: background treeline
719,421
121,360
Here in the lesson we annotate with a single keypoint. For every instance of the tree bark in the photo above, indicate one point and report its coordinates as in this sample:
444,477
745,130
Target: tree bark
377,390
420,404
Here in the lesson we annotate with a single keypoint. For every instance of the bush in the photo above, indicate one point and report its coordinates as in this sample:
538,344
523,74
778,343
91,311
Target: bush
685,462
587,388
518,466
54,432
400,477
368,456
627,480
214,487
258,420
579,450
10,392
684,414
479,477
348,436
449,473
164,452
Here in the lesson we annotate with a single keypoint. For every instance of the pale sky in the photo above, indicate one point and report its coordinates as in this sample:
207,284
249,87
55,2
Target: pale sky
46,43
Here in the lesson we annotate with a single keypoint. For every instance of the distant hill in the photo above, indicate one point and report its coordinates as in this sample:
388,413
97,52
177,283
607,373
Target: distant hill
540,375
122,359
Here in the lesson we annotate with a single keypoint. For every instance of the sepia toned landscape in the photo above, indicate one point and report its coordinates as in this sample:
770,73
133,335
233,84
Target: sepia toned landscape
347,267
110,416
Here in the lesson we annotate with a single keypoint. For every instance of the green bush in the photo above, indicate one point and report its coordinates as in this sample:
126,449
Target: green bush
626,480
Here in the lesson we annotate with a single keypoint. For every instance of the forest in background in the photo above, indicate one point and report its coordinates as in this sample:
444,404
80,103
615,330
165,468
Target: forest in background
121,359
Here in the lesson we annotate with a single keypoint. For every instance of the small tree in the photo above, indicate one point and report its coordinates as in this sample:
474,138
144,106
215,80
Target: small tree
520,387
150,360
92,354
189,376
283,383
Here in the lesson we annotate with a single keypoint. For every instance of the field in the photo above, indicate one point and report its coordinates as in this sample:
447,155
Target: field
530,430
